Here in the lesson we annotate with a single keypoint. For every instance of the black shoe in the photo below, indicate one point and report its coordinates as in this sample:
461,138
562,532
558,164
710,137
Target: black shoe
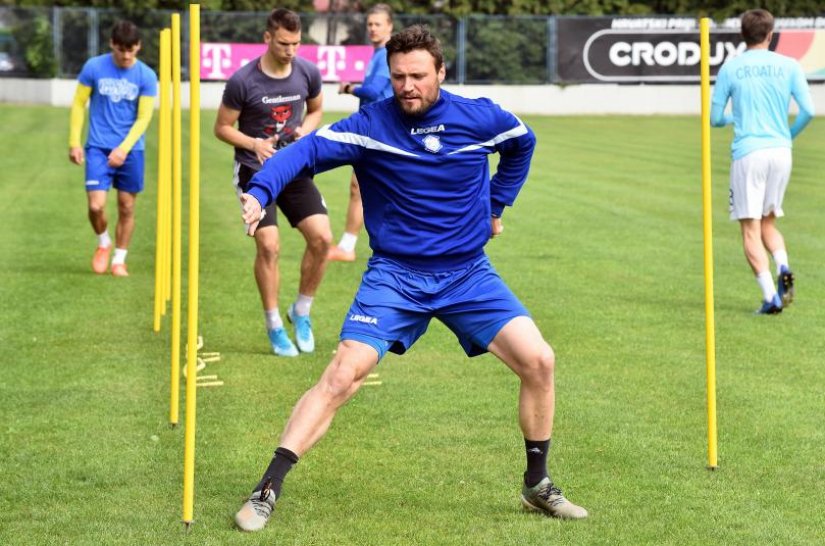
784,286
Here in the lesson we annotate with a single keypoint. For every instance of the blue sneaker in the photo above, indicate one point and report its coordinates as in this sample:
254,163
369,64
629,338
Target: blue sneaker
773,307
281,344
303,330
784,286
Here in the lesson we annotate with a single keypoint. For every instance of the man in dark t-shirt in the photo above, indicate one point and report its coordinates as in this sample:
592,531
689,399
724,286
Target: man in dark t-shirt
266,99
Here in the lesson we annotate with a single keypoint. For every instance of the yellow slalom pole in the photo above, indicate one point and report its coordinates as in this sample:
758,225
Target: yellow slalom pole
166,120
177,162
163,149
194,242
707,224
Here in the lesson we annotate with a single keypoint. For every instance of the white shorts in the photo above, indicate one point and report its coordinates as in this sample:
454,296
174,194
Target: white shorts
758,182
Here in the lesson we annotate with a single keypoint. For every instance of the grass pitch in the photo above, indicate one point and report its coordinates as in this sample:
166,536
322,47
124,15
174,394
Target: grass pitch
604,246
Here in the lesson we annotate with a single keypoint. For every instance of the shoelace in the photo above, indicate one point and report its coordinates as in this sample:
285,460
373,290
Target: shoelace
282,341
260,504
304,326
551,491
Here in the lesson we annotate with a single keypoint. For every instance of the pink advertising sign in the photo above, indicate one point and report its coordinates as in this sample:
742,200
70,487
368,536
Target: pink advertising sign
337,63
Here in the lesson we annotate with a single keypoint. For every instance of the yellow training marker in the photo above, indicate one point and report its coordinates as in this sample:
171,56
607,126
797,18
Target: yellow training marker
210,384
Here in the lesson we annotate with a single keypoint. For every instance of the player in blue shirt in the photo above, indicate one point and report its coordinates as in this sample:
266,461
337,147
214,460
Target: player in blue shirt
760,84
376,86
430,206
122,91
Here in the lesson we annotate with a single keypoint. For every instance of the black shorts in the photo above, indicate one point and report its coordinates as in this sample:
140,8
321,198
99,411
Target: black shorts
298,200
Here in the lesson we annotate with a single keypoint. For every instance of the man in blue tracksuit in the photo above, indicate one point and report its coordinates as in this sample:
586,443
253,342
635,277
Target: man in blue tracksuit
430,206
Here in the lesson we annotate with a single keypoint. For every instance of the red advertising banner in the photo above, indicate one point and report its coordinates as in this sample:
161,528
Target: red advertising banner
336,63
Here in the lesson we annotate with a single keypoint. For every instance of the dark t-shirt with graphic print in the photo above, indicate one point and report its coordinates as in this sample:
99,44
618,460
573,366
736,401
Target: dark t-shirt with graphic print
270,106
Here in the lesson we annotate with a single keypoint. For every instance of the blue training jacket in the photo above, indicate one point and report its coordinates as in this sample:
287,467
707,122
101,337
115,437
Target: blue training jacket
425,180
377,83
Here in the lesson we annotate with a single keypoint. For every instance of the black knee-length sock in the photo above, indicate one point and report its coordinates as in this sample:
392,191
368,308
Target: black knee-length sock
282,462
537,451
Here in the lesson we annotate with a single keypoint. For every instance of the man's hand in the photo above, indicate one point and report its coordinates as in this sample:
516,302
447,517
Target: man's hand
116,157
76,155
264,148
251,212
344,88
498,227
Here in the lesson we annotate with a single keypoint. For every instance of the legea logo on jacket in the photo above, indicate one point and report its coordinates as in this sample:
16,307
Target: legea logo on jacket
427,130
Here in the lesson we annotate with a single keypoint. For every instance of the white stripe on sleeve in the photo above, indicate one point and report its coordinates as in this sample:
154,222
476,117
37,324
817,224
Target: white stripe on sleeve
515,132
360,140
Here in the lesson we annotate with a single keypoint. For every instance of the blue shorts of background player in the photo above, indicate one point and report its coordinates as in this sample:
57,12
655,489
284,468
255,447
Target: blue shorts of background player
394,305
100,176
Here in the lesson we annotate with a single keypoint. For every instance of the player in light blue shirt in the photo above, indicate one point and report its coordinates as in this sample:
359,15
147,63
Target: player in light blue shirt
376,87
760,84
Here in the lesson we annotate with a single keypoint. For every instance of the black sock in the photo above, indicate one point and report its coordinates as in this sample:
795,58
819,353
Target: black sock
282,462
536,461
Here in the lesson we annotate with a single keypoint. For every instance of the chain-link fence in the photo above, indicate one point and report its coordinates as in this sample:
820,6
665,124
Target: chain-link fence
478,49
55,42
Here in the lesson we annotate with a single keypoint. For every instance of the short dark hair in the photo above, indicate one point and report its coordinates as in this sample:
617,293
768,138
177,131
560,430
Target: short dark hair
413,38
756,25
125,33
381,8
283,18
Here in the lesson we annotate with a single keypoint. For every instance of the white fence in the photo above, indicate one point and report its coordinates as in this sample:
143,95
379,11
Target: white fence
527,99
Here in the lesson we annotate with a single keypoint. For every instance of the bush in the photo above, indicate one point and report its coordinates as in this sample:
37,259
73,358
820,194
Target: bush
34,37
506,50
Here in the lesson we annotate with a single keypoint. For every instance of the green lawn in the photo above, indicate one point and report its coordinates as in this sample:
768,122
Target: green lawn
604,246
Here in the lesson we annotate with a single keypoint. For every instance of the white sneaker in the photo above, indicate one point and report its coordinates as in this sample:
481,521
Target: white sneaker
255,512
547,498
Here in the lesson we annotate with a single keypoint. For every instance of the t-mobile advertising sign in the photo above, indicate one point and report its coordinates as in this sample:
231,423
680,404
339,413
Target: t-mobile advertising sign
666,49
336,63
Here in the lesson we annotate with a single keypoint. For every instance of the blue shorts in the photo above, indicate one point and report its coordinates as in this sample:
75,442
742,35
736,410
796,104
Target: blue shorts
394,305
100,176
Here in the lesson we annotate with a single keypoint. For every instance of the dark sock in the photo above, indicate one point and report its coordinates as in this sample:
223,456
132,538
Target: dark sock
536,461
282,462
